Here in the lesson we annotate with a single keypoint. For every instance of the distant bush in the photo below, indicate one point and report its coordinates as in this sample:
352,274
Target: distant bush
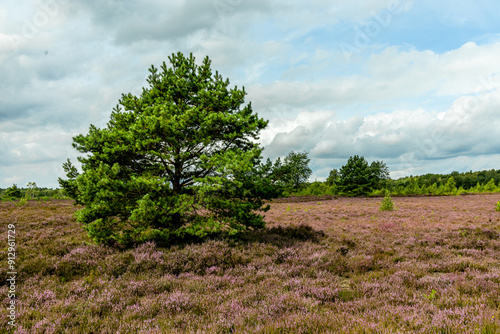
13,192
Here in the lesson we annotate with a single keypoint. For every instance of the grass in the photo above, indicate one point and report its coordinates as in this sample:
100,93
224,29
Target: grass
319,267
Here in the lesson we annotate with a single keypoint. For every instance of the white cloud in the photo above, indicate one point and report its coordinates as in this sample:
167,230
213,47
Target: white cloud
66,71
409,140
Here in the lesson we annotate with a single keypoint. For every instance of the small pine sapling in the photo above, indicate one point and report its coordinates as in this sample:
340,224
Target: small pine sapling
387,203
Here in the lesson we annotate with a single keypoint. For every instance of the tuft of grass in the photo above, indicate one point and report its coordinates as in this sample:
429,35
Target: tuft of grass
431,296
497,208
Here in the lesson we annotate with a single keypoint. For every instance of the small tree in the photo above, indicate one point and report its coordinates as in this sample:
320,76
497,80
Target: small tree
450,187
32,190
297,165
269,178
290,174
333,177
490,186
387,203
178,159
380,173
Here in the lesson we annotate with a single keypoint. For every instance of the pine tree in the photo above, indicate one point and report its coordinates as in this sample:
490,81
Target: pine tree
356,177
177,159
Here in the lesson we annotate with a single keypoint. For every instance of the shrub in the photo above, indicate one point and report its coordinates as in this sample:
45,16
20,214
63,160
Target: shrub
22,202
498,206
13,192
387,204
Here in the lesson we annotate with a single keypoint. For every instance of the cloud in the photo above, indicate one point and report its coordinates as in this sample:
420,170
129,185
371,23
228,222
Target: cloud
393,74
33,155
408,139
65,64
131,22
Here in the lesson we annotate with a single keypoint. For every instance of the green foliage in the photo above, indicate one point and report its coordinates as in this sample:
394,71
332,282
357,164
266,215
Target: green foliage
380,173
13,192
22,202
469,181
317,188
282,178
497,207
297,170
332,178
490,186
179,160
70,187
32,190
357,178
387,204
429,184
451,186
431,296
268,179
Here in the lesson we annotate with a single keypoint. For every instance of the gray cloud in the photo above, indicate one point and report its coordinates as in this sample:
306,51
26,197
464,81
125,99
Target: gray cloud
65,64
131,22
407,140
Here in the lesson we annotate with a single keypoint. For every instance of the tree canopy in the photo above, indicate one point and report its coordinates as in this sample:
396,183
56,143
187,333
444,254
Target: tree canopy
298,171
358,178
287,175
177,159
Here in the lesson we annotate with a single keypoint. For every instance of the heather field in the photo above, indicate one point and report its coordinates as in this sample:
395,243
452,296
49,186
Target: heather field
323,265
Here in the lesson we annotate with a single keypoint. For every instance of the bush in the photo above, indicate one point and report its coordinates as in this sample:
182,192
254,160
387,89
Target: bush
387,204
498,206
22,202
13,192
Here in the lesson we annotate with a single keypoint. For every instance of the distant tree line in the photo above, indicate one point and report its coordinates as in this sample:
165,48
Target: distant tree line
290,175
454,183
467,180
358,178
30,192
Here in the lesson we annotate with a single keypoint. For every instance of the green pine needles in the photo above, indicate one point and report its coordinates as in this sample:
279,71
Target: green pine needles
358,178
175,161
387,204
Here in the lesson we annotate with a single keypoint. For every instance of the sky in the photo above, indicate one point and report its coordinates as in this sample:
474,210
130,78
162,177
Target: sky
412,83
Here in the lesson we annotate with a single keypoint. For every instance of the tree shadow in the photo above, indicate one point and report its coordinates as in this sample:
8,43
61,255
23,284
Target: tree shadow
278,236
282,236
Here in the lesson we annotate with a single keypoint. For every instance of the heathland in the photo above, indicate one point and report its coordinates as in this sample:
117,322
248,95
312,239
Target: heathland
322,265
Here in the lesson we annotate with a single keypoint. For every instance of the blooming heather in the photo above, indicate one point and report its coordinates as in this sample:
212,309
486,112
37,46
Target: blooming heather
335,266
